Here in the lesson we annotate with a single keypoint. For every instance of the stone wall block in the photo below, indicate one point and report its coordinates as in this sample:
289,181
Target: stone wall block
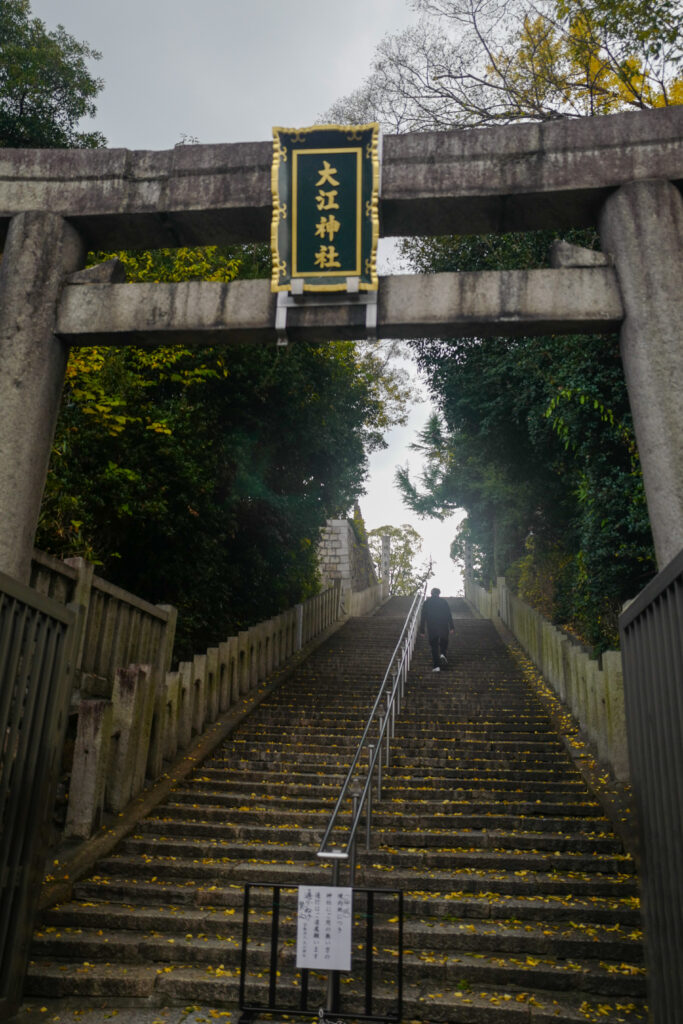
90,769
270,647
157,739
595,706
254,655
233,671
556,653
199,680
603,737
582,691
224,661
130,721
290,632
563,681
147,706
185,681
300,638
267,652
212,684
588,691
573,694
262,650
615,713
545,653
276,642
243,661
169,715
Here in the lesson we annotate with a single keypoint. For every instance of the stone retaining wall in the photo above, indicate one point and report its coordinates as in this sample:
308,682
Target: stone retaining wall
593,693
342,557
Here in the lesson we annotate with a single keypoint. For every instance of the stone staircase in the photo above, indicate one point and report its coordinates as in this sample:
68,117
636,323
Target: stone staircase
520,902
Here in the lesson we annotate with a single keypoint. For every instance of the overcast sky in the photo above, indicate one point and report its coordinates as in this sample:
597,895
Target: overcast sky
228,71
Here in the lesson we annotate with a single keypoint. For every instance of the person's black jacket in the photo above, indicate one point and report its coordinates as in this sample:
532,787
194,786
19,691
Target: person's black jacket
436,616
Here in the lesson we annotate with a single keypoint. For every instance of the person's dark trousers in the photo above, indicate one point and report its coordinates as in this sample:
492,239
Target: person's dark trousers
439,646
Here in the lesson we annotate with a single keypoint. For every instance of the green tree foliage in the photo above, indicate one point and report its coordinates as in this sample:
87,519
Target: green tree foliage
561,510
46,87
534,439
202,476
533,436
406,575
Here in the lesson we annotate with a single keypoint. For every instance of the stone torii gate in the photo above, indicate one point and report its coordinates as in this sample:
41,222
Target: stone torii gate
622,173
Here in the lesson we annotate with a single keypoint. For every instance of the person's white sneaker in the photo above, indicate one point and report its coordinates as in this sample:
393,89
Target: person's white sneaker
444,660
436,669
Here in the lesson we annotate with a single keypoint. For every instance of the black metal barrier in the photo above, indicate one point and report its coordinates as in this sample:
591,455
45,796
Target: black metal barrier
652,652
270,981
35,683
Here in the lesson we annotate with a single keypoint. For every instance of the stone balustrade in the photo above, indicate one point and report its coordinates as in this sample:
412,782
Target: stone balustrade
593,692
128,740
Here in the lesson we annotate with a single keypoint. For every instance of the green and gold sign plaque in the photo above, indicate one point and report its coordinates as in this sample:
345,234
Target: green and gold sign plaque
325,207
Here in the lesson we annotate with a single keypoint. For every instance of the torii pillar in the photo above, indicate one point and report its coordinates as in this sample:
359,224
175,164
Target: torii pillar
641,227
42,249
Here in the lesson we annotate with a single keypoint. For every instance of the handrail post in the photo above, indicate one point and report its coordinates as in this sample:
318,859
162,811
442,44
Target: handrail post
355,796
329,1002
368,808
389,729
379,757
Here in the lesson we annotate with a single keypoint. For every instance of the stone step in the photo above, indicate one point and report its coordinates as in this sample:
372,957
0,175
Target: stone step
218,987
283,785
492,839
491,760
218,803
596,843
446,732
382,818
505,957
376,873
466,777
455,857
165,916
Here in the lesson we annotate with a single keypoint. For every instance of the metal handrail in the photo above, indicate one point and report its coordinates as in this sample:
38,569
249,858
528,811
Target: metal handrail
389,698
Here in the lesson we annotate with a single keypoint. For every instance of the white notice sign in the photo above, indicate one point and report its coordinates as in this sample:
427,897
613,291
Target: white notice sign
323,934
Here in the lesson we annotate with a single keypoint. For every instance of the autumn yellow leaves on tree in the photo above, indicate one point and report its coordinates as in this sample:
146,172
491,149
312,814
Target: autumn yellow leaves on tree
469,63
95,377
564,62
